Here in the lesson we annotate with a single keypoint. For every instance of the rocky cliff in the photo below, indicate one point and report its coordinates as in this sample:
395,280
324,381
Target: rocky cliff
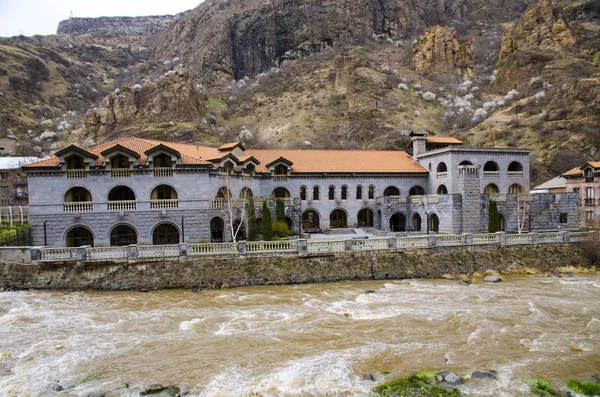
118,25
439,51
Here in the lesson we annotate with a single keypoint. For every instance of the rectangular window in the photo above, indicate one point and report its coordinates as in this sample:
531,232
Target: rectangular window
564,218
576,190
5,202
589,191
3,175
590,215
3,189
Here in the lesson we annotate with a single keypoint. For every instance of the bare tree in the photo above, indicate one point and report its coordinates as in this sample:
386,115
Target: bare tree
235,208
521,211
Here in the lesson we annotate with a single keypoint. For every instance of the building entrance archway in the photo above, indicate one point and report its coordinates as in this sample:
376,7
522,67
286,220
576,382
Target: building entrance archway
398,222
338,219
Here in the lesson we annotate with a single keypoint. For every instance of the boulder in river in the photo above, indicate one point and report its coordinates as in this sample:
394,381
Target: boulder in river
448,276
465,282
492,279
482,375
452,379
369,376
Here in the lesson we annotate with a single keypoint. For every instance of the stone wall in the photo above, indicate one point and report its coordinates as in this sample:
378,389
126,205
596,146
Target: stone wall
282,269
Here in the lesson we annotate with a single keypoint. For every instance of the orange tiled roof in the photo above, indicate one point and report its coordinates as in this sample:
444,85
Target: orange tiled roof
444,139
229,146
578,170
304,161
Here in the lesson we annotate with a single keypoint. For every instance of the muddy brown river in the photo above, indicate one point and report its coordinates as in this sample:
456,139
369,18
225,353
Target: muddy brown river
304,340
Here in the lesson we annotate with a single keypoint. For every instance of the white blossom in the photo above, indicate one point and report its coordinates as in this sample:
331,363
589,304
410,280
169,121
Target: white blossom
480,114
429,96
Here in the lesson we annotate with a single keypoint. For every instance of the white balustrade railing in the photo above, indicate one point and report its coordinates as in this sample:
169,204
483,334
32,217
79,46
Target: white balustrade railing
512,239
272,246
417,199
212,248
158,251
315,247
280,178
216,203
76,174
515,174
497,197
491,174
106,253
162,172
395,199
120,173
128,205
448,241
442,175
370,244
164,204
577,237
78,206
412,242
433,198
550,238
486,238
58,254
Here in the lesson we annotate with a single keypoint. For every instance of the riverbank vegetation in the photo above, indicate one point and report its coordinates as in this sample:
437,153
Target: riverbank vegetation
422,384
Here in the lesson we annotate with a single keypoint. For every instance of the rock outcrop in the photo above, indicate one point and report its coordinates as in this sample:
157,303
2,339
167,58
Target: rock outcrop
540,28
118,25
170,98
438,51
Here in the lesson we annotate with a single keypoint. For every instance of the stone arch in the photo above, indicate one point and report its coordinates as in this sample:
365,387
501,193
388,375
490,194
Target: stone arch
78,194
79,235
442,189
515,166
223,192
503,221
359,192
331,193
344,192
442,167
416,222
515,188
491,166
366,217
371,192
246,193
280,192
290,222
391,191
164,192
398,222
165,233
217,229
241,233
416,191
311,219
123,234
303,193
434,223
121,193
465,162
316,193
491,189
338,218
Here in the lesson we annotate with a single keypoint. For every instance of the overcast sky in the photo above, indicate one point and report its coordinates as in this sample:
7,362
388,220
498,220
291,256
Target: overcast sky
31,17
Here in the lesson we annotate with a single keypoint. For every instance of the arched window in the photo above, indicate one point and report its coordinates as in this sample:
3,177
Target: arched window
365,218
122,235
75,163
331,193
79,236
434,223
223,192
119,161
416,191
465,162
442,167
398,222
250,168
281,192
416,222
491,189
442,189
515,189
162,161
316,193
163,192
246,193
515,166
391,191
227,167
344,192
302,192
217,226
121,193
239,228
165,233
371,192
359,192
78,195
338,219
491,166
310,221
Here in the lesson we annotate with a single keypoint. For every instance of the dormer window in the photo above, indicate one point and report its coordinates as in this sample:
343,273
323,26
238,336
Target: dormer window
119,162
75,163
163,161
281,170
589,175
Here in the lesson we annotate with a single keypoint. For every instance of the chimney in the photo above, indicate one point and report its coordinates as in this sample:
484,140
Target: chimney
419,140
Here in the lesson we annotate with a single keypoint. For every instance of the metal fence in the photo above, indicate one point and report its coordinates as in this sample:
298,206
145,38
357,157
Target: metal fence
15,237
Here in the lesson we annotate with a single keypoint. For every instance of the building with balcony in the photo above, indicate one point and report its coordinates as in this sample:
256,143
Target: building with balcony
140,191
13,181
585,182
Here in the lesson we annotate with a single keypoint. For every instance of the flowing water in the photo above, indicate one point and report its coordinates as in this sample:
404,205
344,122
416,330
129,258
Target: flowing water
300,340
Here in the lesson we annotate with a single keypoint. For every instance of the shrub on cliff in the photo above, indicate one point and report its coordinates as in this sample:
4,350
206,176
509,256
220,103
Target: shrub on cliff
267,223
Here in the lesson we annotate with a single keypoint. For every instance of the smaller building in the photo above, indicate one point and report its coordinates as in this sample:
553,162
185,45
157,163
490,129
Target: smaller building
554,185
585,181
13,181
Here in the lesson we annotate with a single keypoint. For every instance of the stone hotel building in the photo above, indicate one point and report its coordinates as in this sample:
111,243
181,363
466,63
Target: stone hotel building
140,191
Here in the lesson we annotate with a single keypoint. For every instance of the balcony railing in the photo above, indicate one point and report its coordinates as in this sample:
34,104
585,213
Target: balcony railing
417,199
79,206
21,194
589,179
76,174
515,174
127,205
433,198
280,178
120,173
216,203
589,201
442,175
20,181
164,204
497,197
492,174
163,172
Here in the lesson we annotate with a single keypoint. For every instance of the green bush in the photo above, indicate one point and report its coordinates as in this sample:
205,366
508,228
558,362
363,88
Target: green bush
414,385
279,210
540,387
589,389
267,223
493,217
281,229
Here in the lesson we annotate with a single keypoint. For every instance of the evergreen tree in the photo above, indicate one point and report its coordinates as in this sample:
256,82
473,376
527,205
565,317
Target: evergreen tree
267,223
251,220
279,210
493,217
